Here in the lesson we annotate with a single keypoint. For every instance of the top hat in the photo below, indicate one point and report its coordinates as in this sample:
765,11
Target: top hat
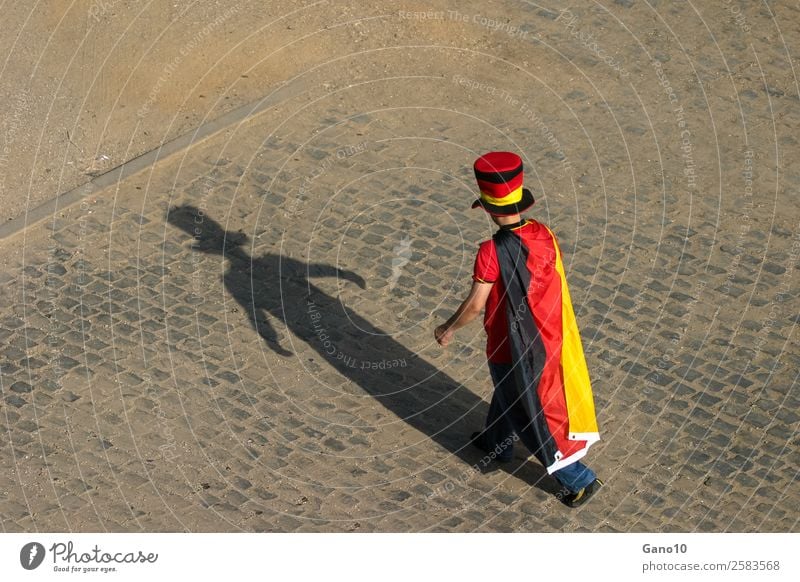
499,176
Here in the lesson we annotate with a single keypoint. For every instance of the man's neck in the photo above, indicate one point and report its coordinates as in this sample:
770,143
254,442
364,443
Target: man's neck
509,222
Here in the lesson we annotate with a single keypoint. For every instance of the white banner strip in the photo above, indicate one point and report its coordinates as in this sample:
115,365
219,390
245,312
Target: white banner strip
401,557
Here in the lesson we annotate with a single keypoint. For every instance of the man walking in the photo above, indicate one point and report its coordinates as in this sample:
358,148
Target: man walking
542,389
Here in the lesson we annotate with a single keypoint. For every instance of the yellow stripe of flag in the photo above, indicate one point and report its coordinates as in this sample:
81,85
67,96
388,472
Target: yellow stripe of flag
577,386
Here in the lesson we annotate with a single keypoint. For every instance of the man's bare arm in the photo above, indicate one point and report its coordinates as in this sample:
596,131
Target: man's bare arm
467,311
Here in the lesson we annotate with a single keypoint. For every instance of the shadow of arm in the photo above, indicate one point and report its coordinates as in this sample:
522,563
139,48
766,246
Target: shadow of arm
322,270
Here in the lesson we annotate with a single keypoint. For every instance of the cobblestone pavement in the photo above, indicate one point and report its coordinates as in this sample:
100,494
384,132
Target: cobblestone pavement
240,338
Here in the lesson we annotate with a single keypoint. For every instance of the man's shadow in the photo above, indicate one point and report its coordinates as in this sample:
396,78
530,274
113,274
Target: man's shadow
414,390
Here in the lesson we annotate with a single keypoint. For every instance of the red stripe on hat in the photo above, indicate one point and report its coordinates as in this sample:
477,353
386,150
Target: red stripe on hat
500,190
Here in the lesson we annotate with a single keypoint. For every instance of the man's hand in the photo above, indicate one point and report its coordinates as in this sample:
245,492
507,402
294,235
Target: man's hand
443,335
469,310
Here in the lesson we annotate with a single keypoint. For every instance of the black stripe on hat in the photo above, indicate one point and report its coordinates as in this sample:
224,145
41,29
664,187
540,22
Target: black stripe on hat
498,177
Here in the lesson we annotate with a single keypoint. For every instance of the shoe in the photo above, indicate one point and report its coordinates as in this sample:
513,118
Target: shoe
582,496
478,439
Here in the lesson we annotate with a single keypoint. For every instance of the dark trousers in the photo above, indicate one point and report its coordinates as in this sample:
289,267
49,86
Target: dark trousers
505,412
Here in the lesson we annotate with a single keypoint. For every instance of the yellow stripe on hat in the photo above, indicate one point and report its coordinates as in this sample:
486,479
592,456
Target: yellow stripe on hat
511,198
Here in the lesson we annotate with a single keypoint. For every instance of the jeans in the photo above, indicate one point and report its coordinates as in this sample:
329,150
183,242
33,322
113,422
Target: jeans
504,410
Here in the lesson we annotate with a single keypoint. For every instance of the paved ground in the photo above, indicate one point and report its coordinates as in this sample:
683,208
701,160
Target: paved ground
240,338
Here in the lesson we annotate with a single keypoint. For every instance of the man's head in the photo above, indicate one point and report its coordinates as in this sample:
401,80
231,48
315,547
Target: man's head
500,177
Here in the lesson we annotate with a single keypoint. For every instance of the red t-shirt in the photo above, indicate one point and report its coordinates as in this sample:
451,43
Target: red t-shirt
544,282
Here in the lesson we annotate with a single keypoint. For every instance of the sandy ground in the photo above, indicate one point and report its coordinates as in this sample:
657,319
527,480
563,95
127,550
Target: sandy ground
89,85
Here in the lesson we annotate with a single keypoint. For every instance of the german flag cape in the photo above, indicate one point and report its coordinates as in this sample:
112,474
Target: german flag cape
551,373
